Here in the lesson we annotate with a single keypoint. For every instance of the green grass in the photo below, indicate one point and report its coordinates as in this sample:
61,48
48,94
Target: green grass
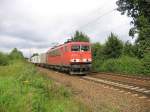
23,89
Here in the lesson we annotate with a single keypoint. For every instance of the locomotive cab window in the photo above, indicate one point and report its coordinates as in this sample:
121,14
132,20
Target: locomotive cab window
85,48
75,48
65,49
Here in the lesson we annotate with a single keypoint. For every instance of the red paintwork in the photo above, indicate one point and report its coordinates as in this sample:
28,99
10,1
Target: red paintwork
64,57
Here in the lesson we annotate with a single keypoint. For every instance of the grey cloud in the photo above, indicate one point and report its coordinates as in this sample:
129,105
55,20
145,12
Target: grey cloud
19,29
12,42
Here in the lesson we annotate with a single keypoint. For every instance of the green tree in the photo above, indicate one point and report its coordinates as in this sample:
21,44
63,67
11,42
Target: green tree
97,56
4,60
143,40
96,49
139,10
16,54
128,49
81,37
113,47
146,63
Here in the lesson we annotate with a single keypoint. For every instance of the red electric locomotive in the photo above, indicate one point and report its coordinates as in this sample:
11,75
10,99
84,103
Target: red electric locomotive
74,57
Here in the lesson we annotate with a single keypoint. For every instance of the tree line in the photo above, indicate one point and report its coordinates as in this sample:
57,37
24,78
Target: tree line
15,54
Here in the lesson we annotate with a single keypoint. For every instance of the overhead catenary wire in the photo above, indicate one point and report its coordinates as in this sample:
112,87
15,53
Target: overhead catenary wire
93,21
97,19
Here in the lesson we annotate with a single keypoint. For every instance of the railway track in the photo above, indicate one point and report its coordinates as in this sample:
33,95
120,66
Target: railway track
116,84
122,85
125,76
142,83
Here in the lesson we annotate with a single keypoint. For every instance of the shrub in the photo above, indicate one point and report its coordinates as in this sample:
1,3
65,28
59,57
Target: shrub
128,49
16,54
96,50
113,47
3,59
146,64
96,65
125,64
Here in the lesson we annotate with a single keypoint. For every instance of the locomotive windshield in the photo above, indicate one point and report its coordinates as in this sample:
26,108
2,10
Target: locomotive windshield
85,48
75,48
80,48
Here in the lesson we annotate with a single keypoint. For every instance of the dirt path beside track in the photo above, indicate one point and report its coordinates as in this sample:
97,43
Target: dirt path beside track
98,97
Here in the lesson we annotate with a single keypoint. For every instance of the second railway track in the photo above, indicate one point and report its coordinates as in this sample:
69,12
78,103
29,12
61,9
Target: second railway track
135,89
144,78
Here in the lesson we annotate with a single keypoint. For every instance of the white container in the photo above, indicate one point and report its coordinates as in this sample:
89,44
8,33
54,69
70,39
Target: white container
35,59
43,58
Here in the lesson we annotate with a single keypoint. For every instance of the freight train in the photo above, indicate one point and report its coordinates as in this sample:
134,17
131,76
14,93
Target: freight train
72,57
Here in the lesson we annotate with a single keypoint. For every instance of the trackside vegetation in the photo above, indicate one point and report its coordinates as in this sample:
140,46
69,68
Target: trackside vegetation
119,57
23,89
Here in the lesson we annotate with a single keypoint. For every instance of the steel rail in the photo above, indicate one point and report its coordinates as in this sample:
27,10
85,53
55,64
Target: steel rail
135,89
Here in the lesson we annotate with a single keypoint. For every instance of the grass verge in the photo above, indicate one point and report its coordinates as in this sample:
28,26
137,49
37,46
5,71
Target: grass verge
23,89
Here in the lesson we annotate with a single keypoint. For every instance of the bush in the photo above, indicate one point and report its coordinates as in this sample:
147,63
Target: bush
125,64
3,59
146,64
128,49
96,50
16,54
96,64
113,47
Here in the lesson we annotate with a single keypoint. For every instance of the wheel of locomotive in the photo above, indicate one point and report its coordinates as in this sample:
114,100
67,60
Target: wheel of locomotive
60,69
70,71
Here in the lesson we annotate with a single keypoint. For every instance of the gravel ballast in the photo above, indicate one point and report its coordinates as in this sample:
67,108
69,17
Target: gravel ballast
98,97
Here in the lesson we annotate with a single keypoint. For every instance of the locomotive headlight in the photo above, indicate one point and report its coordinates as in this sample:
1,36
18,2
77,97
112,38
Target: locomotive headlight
90,59
87,60
72,60
75,60
84,60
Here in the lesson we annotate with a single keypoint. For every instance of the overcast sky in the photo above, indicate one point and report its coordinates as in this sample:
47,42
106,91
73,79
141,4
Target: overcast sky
33,25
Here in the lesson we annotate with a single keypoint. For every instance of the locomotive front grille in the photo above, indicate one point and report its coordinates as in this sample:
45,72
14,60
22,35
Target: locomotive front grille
80,68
